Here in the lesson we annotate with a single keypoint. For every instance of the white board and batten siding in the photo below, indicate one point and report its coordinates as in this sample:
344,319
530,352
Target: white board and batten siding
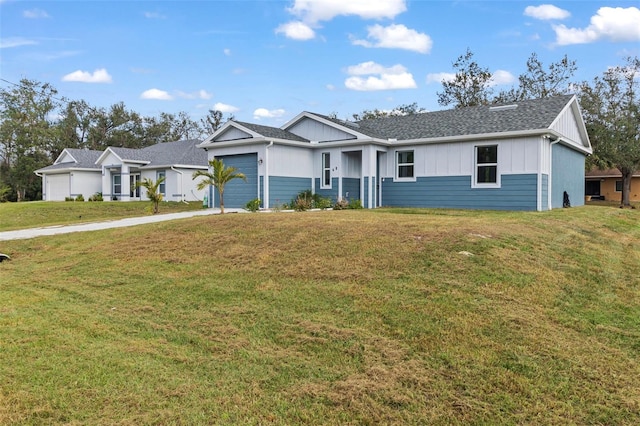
515,156
316,131
232,134
567,125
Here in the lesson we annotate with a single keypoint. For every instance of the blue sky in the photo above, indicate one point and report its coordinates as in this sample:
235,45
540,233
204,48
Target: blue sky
265,61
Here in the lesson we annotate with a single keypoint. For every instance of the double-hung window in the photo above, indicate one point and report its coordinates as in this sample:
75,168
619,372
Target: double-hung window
405,165
162,189
618,186
117,184
486,167
326,170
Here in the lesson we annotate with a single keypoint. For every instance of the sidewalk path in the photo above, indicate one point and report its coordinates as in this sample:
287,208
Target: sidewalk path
22,234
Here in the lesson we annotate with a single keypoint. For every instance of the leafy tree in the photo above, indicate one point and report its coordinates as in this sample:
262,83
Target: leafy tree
153,193
406,109
212,121
470,86
26,133
117,126
538,83
218,177
611,106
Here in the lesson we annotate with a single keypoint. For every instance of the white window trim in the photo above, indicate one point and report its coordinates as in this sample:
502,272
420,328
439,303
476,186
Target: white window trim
158,174
397,166
113,184
324,169
474,182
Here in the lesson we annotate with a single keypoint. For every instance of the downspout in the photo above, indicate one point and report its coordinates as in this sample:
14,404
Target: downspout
181,183
44,185
265,202
553,142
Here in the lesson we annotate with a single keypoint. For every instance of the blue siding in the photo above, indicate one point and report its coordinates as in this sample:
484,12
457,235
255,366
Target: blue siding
238,192
352,187
365,180
545,192
328,193
284,189
567,174
518,192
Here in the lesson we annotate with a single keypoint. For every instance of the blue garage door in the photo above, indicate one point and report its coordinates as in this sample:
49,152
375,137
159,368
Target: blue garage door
238,192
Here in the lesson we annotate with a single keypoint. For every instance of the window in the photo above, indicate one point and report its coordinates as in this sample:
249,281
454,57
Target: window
404,161
163,187
487,165
134,181
117,184
618,186
326,170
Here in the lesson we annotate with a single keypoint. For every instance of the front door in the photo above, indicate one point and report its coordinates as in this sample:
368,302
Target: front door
134,180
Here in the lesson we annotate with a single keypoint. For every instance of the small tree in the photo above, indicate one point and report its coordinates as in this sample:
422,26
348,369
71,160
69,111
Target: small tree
218,177
153,193
611,106
471,85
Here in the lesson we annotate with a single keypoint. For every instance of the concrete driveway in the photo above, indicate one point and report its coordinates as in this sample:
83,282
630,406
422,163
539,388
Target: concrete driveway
22,234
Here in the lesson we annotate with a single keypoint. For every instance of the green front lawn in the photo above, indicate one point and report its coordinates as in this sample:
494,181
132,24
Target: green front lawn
389,316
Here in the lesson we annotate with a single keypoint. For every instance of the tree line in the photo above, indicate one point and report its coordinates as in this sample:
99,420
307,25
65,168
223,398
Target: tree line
35,125
610,104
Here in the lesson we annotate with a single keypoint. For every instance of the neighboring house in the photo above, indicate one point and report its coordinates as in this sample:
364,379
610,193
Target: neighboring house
523,156
73,173
115,172
607,185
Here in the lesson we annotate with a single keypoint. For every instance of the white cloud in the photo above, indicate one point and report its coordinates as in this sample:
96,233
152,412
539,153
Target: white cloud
440,77
379,77
330,87
296,30
546,12
154,15
156,94
99,76
15,42
200,94
396,37
267,113
613,24
35,14
225,108
227,52
313,11
502,77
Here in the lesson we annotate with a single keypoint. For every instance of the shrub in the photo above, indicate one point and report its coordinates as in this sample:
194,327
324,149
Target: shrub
80,198
69,199
253,205
341,204
355,204
96,197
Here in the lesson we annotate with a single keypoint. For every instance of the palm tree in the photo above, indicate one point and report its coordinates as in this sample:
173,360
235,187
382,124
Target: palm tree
218,177
152,191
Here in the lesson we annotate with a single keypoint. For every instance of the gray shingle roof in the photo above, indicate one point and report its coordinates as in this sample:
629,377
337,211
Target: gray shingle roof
85,159
180,152
528,115
272,132
166,153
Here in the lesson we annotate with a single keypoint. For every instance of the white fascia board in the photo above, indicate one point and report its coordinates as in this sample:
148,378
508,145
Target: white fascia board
475,137
582,128
105,153
210,140
177,166
64,151
324,121
259,140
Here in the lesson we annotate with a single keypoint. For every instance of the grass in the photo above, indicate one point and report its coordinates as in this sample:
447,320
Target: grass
43,213
392,316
